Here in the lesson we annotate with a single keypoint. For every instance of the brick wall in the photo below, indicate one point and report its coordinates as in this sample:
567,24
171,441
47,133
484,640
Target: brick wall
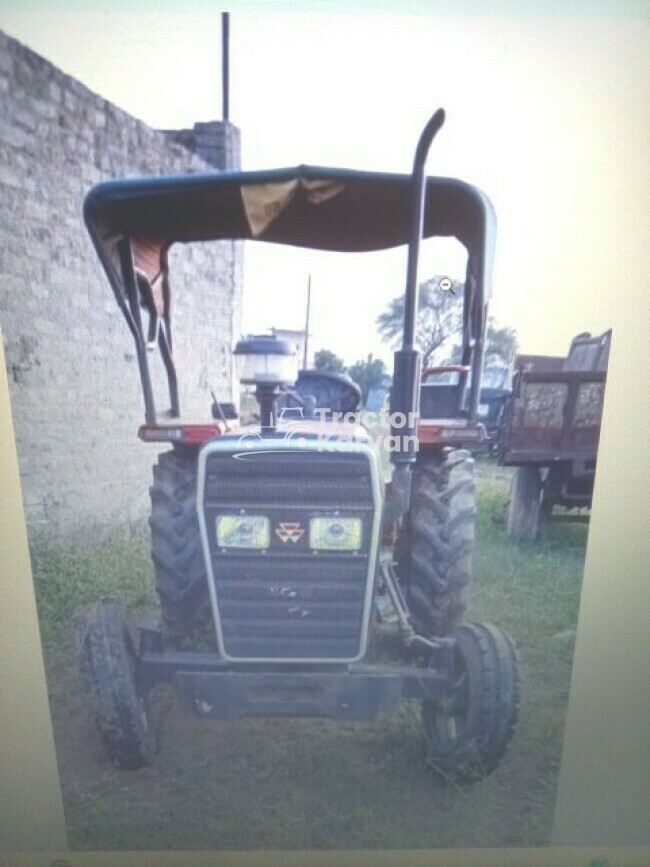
70,359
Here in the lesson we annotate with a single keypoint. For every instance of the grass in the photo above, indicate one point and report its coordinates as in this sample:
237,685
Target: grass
532,589
295,784
66,577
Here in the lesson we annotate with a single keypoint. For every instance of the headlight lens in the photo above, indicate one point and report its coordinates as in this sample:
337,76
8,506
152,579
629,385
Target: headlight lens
243,531
335,534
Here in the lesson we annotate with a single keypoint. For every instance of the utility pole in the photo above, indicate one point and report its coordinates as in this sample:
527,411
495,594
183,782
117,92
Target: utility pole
225,65
306,353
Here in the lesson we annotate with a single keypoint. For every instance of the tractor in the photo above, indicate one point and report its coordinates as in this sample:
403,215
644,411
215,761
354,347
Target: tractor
316,587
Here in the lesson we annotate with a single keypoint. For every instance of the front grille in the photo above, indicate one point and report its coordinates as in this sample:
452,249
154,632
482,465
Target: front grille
287,602
313,479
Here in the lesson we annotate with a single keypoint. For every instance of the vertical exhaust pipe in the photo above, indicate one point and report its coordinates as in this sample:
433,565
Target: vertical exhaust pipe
416,225
405,394
406,377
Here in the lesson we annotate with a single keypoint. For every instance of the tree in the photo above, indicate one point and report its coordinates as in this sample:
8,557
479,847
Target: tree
440,317
368,374
326,360
500,344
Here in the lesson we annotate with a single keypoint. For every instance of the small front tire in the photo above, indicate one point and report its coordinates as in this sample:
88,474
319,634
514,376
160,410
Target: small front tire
107,661
468,731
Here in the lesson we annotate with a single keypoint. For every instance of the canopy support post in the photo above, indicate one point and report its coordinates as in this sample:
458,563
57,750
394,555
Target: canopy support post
130,284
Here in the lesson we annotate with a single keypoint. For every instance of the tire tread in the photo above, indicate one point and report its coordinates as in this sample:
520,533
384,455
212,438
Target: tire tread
495,695
435,550
176,549
106,660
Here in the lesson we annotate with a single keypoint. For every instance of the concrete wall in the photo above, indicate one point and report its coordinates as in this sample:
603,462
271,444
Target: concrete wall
74,381
215,142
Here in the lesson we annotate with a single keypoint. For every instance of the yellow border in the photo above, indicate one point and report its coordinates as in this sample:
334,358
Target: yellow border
31,809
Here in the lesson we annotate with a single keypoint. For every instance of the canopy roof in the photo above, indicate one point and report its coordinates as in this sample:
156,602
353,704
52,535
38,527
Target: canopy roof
134,222
321,208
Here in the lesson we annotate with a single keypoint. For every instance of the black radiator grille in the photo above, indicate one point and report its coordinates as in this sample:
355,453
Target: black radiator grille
287,601
297,479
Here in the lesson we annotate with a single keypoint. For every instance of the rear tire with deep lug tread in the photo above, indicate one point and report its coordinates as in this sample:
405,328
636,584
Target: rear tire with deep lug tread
435,550
176,549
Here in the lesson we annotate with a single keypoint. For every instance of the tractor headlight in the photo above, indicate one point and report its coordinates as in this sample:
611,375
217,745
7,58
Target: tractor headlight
335,534
243,531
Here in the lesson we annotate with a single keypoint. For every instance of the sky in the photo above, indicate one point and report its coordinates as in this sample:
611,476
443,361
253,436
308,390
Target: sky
546,109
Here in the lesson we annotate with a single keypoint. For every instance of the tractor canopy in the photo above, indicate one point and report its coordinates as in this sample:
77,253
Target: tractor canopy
134,222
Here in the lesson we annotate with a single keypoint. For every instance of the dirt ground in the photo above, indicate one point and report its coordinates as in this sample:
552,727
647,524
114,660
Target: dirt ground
305,784
292,784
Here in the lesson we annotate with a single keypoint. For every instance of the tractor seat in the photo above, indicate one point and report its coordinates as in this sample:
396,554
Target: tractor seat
440,401
444,399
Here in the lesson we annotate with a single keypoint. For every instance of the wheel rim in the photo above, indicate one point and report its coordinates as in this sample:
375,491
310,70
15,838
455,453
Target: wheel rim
141,702
453,709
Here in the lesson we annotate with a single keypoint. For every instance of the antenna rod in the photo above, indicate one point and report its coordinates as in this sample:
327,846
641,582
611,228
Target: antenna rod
306,354
225,64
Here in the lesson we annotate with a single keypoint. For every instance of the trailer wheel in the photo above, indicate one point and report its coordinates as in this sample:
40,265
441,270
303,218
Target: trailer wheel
180,575
468,731
524,508
435,551
107,662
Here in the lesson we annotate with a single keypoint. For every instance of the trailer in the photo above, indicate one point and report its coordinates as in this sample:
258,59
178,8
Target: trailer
550,434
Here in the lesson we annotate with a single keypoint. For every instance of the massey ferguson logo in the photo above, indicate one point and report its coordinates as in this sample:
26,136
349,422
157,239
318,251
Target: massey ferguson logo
287,532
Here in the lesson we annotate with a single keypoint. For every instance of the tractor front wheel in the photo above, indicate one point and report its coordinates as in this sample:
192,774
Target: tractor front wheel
468,731
107,661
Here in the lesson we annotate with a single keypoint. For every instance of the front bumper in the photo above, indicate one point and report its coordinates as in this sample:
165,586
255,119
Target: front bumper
218,688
